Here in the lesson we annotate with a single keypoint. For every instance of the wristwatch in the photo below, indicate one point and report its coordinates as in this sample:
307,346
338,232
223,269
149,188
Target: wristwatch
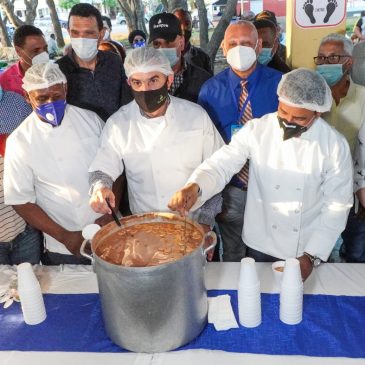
316,261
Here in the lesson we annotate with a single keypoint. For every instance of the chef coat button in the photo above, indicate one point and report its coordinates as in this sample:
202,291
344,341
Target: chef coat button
274,226
295,230
296,211
298,189
277,187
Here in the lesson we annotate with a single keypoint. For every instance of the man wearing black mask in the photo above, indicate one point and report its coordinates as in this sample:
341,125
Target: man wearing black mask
191,53
157,140
300,185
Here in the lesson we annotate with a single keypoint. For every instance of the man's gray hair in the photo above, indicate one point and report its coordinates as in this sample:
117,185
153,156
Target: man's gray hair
335,37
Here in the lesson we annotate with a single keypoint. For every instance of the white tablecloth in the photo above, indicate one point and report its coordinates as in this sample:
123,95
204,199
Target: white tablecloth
331,279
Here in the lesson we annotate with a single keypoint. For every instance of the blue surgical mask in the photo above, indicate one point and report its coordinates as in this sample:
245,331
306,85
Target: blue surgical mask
53,112
139,44
265,56
331,73
171,55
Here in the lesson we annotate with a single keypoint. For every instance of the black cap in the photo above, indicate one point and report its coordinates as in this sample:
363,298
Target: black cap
165,26
264,23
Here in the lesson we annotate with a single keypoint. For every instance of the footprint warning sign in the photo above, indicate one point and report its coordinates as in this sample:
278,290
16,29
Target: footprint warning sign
319,13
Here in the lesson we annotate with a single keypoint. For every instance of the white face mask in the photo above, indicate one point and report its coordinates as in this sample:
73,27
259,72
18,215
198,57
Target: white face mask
241,58
85,48
40,58
106,35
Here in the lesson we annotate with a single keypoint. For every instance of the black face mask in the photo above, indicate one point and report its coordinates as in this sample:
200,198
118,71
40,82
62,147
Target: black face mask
149,101
187,35
290,129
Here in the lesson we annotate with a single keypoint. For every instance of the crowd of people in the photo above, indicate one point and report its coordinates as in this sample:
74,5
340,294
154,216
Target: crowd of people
270,156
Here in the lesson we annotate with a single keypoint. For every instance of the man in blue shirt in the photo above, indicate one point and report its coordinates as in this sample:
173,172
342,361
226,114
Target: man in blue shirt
241,92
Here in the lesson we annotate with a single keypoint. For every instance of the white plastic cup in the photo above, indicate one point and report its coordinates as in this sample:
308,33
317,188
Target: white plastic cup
30,294
249,306
26,277
248,273
292,276
291,303
291,320
90,230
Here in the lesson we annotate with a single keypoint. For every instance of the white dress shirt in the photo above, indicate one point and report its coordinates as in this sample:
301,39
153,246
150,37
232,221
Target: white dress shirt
158,154
49,167
299,190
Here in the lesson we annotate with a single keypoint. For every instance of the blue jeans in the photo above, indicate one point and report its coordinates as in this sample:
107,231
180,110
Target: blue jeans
25,247
354,239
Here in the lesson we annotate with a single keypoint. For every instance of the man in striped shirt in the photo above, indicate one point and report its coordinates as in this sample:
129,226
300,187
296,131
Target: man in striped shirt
19,242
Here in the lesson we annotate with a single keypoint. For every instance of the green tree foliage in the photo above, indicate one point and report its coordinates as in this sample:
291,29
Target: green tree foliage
68,4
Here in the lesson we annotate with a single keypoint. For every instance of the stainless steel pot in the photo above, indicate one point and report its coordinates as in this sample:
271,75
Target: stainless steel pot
157,308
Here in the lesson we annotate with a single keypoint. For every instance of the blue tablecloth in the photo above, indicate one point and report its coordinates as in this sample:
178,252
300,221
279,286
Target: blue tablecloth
331,326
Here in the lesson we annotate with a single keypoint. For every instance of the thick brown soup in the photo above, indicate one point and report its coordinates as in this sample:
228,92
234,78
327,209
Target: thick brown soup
149,244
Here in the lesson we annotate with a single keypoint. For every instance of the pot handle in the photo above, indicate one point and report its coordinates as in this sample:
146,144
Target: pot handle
83,253
214,236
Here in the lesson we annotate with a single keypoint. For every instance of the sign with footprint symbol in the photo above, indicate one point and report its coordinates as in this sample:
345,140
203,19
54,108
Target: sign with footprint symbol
319,13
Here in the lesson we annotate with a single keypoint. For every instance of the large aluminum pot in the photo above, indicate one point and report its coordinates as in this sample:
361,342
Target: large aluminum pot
156,308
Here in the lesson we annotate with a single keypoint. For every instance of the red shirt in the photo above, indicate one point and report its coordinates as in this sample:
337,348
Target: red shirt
3,138
11,79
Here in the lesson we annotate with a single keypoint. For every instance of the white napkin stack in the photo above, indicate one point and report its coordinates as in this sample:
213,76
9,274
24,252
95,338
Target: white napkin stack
220,313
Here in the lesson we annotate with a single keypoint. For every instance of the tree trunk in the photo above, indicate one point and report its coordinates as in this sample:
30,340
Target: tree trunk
139,11
133,11
8,7
31,11
174,4
56,23
218,33
165,4
203,24
5,41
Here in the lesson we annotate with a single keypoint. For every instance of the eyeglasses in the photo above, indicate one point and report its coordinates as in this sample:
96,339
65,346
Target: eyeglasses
320,60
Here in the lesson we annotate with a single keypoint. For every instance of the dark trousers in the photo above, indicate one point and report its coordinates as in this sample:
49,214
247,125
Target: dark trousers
260,256
54,258
354,239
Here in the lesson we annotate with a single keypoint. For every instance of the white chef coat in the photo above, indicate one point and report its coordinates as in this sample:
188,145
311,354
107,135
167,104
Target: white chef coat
49,167
299,190
158,154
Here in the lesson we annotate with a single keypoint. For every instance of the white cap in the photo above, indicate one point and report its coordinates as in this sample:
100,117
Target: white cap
146,59
42,76
304,88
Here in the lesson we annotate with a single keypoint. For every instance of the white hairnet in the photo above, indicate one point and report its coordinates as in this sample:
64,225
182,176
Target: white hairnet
146,59
304,88
42,76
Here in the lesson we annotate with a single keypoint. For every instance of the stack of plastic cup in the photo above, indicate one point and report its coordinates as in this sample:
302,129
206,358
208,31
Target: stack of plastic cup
291,293
30,294
249,296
